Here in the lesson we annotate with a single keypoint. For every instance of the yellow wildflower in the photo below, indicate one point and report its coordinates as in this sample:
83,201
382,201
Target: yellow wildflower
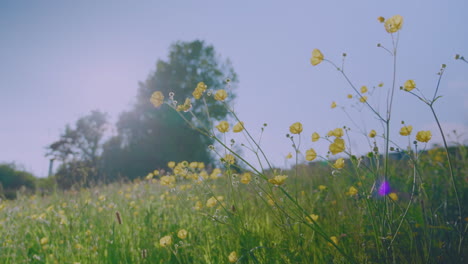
350,96
223,126
339,163
230,159
296,128
352,191
322,187
168,180
278,180
202,86
220,95
289,156
311,155
149,176
193,165
394,24
381,19
333,104
317,57
315,137
337,146
409,85
372,133
198,205
171,164
406,130
182,234
211,202
201,165
363,99
364,89
165,241
238,127
334,239
233,257
312,217
393,196
381,84
197,94
157,99
44,240
246,178
424,136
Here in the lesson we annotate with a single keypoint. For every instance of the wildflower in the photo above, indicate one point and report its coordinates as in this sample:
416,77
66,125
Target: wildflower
333,105
171,164
165,241
223,126
157,99
372,133
350,96
393,196
337,146
315,137
311,217
311,155
334,240
197,94
409,85
246,178
278,180
44,240
201,86
211,202
364,89
229,159
424,136
394,24
339,163
406,130
384,188
322,187
337,132
201,165
193,165
220,95
198,205
102,198
296,128
352,191
238,127
363,99
381,84
168,180
149,176
182,234
289,156
317,57
381,19
233,257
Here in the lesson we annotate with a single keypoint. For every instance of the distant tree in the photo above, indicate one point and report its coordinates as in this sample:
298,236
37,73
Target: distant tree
79,150
13,179
147,137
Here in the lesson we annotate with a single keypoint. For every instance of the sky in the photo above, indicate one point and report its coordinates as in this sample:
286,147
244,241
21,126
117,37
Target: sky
61,59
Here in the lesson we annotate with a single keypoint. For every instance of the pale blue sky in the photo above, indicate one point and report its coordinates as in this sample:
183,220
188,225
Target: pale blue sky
61,59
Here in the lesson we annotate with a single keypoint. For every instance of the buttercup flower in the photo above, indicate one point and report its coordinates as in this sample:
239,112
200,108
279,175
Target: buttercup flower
312,217
182,234
44,240
322,187
315,137
372,133
211,202
230,159
296,128
233,257
363,99
289,156
311,155
202,86
278,180
157,99
349,96
333,105
334,239
171,164
246,178
393,196
424,136
223,126
220,95
337,132
394,24
406,130
409,85
238,127
364,89
339,163
352,191
317,57
337,146
381,19
165,241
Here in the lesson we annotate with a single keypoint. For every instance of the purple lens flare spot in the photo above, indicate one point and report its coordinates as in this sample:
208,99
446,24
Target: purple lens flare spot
384,188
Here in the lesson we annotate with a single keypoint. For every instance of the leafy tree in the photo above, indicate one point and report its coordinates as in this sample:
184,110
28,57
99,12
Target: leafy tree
13,179
79,149
147,137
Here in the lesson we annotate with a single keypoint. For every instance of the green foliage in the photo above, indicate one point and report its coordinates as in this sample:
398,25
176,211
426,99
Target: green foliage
13,179
147,137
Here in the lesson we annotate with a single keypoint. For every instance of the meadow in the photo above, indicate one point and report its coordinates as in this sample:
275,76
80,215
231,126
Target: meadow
392,204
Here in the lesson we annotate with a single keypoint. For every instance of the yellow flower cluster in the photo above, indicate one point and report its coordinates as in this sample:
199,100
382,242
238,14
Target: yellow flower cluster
337,146
199,90
278,180
157,99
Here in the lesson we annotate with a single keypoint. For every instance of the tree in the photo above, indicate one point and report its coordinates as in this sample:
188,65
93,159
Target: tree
147,137
13,179
79,149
